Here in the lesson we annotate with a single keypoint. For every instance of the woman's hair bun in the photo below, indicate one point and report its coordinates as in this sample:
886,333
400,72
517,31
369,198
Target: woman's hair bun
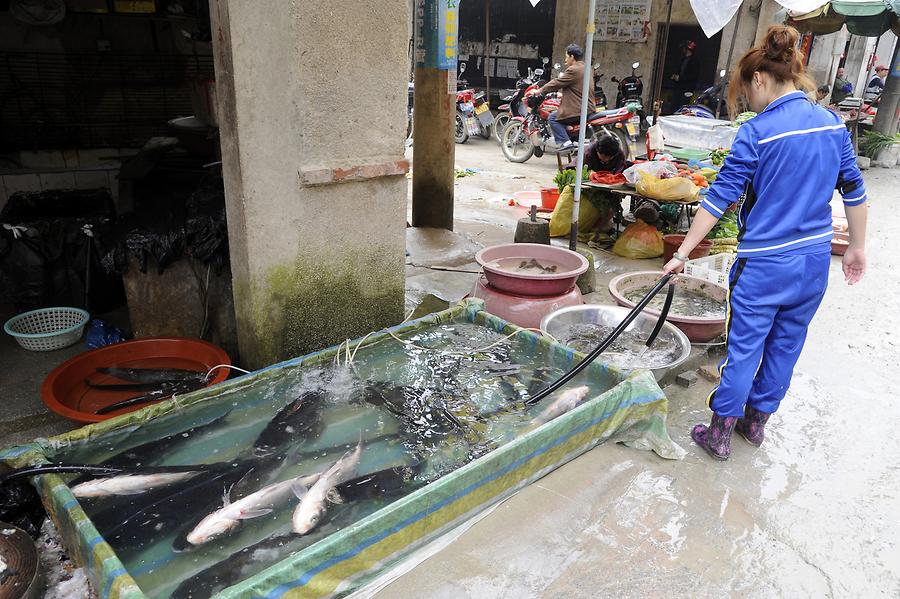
780,43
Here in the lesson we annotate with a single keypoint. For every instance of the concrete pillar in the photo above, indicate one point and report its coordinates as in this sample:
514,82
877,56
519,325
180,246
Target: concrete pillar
434,148
315,192
743,38
767,16
856,62
826,56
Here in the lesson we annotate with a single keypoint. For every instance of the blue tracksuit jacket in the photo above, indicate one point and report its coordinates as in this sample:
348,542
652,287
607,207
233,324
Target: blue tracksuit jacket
786,163
788,160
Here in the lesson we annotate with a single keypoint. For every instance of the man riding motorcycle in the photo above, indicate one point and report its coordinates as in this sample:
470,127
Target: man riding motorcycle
569,83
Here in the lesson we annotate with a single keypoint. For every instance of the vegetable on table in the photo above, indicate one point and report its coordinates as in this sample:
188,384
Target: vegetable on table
718,156
725,228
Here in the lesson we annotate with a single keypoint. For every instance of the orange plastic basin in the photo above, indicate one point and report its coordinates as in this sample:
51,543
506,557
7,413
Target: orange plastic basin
65,391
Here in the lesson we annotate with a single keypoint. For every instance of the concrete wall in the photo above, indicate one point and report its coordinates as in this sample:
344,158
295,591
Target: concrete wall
316,243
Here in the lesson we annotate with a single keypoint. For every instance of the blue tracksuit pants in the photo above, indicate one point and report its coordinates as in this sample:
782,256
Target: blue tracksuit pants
772,300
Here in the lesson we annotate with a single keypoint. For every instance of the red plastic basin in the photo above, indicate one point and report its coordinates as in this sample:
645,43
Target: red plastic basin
65,392
500,264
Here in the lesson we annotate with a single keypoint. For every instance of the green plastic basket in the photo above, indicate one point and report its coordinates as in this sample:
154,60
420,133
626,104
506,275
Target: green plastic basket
47,329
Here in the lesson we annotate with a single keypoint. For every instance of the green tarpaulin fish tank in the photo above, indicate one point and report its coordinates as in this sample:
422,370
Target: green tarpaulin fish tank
463,440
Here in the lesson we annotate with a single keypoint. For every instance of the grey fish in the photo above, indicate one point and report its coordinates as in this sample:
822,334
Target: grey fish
299,420
152,375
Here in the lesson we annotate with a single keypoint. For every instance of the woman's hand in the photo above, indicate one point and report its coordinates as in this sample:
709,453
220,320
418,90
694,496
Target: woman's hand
854,264
674,265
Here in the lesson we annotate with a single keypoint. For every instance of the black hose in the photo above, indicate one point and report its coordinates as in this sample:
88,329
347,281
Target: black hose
604,345
670,294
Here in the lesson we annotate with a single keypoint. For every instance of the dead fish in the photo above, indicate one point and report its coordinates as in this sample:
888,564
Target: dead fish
312,505
566,402
152,375
264,501
299,420
128,484
126,521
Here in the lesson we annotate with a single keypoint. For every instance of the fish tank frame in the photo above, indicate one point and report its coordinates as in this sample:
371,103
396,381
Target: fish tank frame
632,411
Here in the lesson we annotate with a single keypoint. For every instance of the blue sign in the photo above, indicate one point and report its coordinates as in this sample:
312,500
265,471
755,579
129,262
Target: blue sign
436,30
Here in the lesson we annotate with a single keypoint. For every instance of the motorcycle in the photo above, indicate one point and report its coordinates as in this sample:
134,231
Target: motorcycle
631,90
515,100
531,135
473,113
599,95
705,104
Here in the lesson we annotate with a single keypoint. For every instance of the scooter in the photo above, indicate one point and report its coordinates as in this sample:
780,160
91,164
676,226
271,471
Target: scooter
631,90
705,104
473,113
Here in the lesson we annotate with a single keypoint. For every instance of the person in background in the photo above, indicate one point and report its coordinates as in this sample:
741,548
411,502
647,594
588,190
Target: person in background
569,83
841,88
688,73
783,258
818,96
876,84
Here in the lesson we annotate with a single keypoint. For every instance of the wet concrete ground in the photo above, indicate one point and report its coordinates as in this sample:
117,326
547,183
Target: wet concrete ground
812,513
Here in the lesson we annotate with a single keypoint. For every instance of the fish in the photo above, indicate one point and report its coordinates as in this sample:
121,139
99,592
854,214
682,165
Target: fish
126,521
165,391
224,520
421,411
567,401
312,506
158,448
349,505
152,375
128,484
383,483
299,420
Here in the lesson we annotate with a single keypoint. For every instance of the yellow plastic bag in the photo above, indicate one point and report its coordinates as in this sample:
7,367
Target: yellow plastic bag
639,240
561,219
676,189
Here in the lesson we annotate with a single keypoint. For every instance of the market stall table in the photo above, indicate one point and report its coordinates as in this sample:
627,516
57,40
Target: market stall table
637,200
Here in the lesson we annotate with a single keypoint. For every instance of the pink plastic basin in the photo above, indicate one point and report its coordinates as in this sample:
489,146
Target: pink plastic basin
502,267
698,330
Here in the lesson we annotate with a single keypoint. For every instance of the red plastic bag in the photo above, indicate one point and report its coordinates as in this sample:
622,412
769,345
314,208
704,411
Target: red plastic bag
639,240
607,178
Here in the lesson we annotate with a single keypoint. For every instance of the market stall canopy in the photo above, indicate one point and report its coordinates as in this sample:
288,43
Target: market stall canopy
868,18
713,15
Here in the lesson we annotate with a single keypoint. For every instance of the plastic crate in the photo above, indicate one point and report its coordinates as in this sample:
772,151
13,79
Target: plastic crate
714,269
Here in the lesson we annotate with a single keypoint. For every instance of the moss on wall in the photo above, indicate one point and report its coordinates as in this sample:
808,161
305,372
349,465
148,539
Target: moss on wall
302,307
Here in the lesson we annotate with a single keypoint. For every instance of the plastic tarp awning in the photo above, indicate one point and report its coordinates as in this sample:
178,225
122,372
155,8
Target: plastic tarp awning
713,15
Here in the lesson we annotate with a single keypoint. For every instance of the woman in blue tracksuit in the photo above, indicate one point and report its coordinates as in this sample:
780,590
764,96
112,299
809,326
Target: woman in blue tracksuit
785,163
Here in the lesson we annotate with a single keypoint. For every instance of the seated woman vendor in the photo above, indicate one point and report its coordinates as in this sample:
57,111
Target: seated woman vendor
605,154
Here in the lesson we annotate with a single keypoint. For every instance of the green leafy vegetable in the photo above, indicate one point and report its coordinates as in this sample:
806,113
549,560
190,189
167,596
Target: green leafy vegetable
726,228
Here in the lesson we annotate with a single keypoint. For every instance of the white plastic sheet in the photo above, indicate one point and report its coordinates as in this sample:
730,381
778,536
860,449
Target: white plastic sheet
713,15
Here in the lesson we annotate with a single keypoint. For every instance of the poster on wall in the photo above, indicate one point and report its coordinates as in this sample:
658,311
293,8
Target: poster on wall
623,20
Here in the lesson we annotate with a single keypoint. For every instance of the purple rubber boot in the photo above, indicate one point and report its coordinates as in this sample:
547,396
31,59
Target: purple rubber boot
752,426
715,438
